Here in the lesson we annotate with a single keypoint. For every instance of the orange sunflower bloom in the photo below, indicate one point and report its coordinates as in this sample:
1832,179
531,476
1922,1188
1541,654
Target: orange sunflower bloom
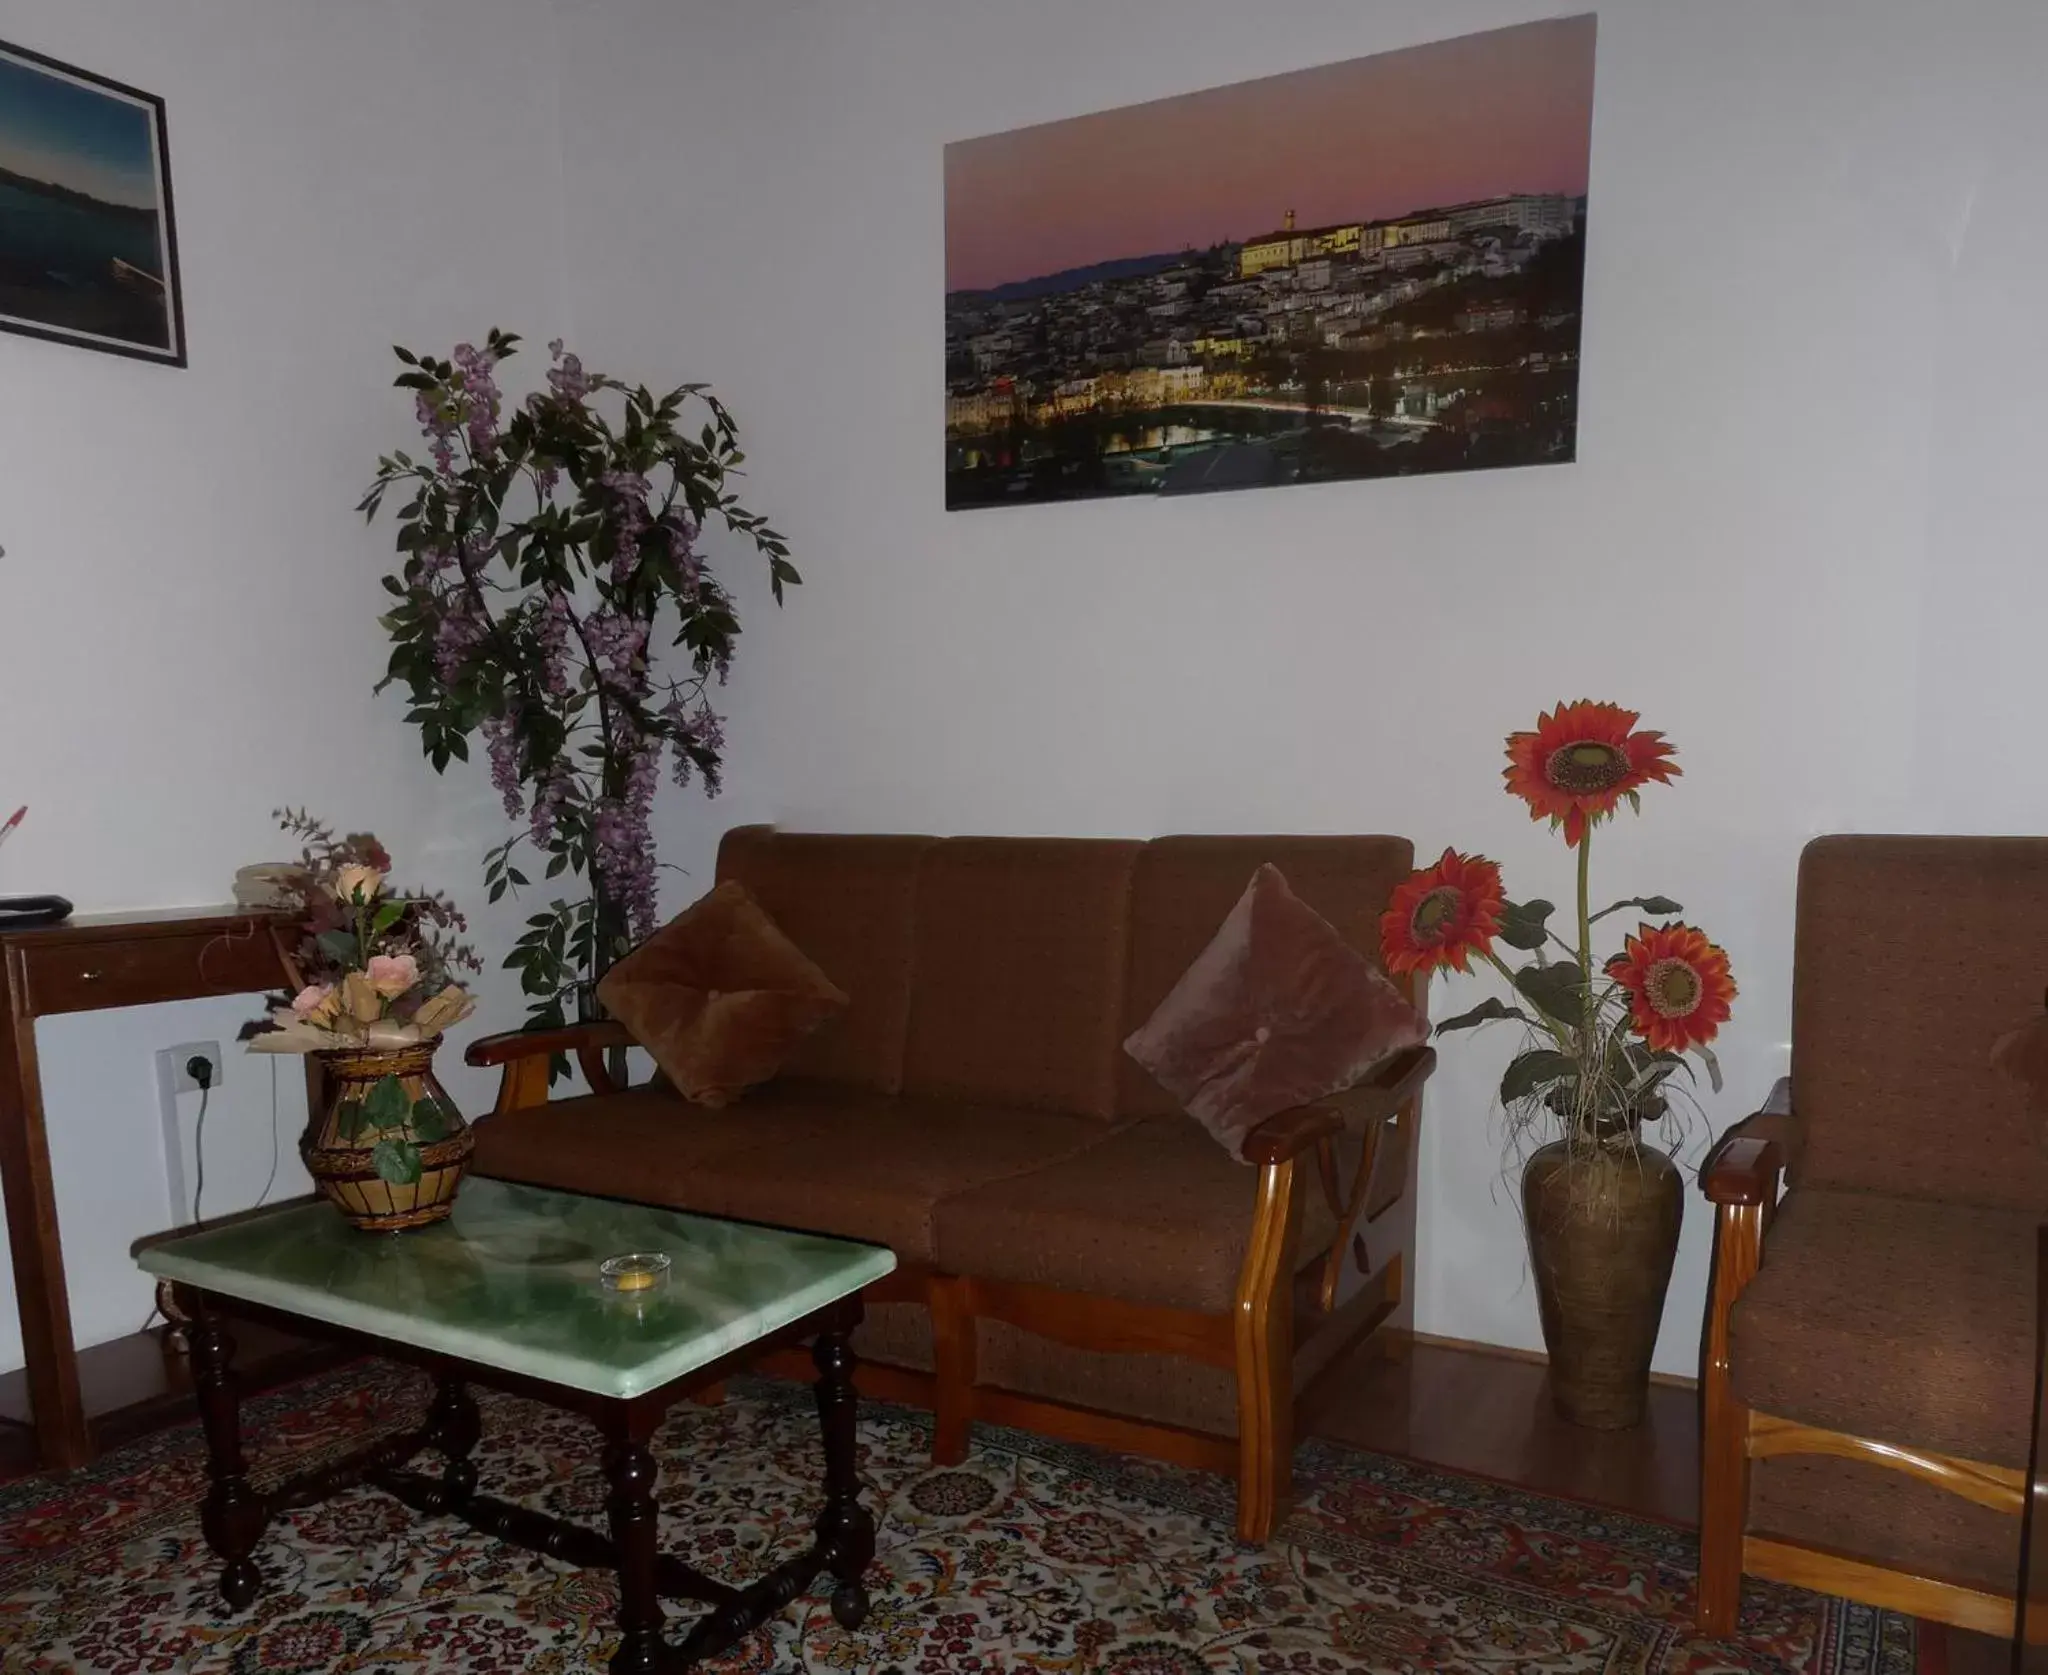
1678,986
1581,761
1442,915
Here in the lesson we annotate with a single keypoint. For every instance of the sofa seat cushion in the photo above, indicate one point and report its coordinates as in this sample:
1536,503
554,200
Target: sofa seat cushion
650,1144
882,1175
1157,1213
1900,1319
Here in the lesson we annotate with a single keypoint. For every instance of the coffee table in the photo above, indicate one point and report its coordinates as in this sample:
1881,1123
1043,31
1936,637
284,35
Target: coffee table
506,1293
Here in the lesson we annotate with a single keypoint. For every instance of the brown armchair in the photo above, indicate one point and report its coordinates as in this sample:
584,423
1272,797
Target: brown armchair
1867,1372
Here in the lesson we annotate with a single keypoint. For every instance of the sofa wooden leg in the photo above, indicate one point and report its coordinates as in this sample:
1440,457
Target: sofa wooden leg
953,1366
1264,1319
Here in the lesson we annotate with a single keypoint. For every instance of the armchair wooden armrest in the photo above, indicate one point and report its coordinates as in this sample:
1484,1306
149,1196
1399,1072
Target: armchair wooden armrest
1740,1179
1358,1108
527,1053
1744,1166
1743,1170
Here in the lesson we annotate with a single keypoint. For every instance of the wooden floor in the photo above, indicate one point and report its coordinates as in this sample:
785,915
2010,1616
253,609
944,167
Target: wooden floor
1488,1412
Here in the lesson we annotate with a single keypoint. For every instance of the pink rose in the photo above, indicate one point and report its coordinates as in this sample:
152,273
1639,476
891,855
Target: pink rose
314,1002
392,974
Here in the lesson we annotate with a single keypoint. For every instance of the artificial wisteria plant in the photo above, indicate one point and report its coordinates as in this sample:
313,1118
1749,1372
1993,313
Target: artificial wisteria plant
544,552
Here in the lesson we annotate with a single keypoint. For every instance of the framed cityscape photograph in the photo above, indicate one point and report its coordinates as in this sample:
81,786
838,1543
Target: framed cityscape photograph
88,246
1367,269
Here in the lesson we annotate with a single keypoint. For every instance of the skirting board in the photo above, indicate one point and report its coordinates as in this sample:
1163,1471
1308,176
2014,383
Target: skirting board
1534,1357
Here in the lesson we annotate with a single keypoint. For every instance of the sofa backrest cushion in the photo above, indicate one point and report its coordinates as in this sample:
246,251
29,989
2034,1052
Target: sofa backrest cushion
1183,889
849,902
1914,954
1018,997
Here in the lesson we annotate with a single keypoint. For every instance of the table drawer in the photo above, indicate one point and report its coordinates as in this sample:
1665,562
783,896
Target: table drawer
87,976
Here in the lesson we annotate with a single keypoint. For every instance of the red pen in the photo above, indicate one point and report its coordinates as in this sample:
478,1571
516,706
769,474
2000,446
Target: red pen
13,820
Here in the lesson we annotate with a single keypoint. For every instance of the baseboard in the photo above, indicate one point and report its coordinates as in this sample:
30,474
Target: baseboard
1533,1357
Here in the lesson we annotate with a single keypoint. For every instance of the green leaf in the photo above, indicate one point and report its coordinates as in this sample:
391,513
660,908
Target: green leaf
1558,991
385,1106
1490,1010
1532,1072
397,1161
1713,1066
430,1119
1658,907
1522,924
338,945
387,915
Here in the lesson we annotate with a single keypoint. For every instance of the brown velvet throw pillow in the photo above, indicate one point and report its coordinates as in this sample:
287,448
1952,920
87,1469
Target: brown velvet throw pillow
1277,1010
719,996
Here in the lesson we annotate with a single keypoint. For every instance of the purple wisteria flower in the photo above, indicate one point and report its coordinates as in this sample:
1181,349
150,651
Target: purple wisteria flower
524,594
501,740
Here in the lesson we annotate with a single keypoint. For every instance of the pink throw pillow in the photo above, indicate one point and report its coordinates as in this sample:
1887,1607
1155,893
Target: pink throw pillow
1278,1010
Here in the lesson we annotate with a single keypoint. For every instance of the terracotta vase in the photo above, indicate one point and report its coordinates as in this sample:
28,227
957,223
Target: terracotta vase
1602,1221
341,1167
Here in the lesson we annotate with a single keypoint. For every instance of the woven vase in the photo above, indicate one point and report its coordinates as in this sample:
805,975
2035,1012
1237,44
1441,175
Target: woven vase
341,1167
1602,1222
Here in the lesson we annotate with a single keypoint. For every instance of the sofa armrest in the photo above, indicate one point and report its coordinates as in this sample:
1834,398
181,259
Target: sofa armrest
1358,1108
516,1044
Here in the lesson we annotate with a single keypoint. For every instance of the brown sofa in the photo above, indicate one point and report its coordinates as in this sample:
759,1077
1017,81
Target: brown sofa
1078,1257
1868,1378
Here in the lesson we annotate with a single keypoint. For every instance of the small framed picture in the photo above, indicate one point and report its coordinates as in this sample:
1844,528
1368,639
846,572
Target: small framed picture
88,246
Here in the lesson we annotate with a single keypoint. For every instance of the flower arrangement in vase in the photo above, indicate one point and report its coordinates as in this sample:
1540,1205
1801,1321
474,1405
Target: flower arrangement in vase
375,977
1604,1043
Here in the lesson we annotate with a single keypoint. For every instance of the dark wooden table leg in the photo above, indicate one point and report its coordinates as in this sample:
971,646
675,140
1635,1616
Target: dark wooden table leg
845,1529
62,1437
631,1471
234,1516
456,1427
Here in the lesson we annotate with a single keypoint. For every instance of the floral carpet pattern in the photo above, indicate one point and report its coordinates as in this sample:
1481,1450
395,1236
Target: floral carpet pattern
1034,1556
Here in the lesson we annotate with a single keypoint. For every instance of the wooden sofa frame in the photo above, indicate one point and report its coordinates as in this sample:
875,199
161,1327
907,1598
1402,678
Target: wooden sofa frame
1280,1305
1741,1181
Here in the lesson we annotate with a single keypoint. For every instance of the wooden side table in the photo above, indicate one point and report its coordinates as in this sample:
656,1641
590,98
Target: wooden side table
89,964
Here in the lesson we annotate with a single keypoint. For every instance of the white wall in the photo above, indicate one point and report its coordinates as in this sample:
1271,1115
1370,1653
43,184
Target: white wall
187,604
1803,535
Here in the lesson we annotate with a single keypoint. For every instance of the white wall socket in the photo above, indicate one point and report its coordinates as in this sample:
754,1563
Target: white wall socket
171,1061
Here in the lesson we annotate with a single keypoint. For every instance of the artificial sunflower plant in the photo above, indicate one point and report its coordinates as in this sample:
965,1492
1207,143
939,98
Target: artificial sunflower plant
1604,1039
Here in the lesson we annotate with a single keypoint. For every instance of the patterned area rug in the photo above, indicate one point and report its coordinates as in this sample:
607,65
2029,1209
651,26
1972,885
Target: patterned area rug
1034,1556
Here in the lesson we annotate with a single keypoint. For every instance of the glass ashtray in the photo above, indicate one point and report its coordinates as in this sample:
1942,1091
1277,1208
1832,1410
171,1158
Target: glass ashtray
636,1272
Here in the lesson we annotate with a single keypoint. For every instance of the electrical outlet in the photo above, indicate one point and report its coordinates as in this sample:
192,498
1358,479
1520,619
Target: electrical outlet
171,1065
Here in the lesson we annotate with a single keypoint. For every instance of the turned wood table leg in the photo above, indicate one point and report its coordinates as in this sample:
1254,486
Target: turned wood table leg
457,1427
632,1472
234,1515
845,1529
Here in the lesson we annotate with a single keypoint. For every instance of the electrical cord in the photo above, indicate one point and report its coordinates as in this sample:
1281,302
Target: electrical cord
263,1197
200,1069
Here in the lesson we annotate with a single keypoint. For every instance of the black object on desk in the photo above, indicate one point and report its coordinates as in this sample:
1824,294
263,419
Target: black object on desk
20,913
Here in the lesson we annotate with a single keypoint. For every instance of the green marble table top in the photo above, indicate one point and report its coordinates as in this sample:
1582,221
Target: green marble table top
510,1281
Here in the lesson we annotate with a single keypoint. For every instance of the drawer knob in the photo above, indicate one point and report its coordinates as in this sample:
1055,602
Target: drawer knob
89,976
